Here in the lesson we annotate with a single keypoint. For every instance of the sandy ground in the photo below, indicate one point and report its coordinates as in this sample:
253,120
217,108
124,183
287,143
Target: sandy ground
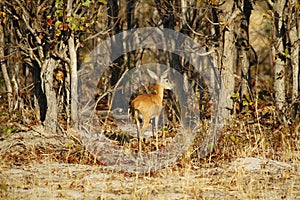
43,177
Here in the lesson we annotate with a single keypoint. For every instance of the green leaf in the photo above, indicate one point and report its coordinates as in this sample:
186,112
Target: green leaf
58,13
81,27
69,145
210,145
245,103
102,1
56,26
86,3
8,131
232,138
235,96
59,3
287,52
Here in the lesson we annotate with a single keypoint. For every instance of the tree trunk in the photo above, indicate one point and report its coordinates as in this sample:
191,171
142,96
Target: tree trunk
4,70
229,53
293,27
73,71
243,44
278,54
294,35
51,112
228,62
74,80
113,22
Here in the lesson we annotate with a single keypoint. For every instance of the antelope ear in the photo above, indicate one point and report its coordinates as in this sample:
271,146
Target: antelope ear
152,74
165,73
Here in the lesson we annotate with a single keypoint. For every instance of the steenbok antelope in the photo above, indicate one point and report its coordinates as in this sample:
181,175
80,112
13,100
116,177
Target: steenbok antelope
149,106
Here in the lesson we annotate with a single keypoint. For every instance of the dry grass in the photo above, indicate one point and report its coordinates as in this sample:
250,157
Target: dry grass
63,170
37,165
52,180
